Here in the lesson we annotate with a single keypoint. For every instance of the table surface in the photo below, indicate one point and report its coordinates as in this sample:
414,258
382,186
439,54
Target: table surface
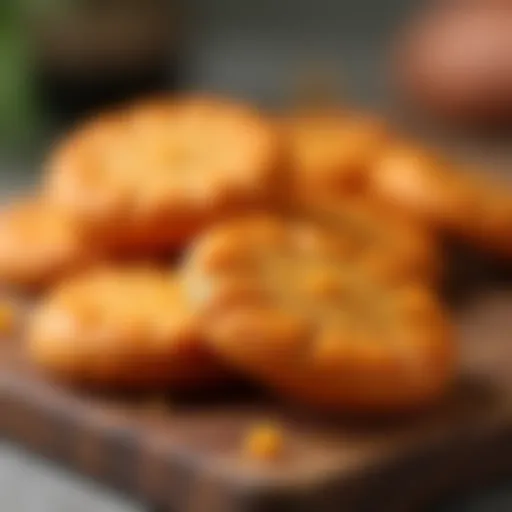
248,50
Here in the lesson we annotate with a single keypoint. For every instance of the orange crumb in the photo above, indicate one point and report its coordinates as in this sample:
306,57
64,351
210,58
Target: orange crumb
7,318
264,441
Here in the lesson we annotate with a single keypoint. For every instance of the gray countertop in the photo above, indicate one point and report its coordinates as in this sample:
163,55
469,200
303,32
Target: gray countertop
29,484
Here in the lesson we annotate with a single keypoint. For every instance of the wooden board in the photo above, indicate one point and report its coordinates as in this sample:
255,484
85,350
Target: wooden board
186,456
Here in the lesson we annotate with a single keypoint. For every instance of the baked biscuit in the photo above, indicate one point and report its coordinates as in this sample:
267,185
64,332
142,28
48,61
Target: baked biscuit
153,175
435,191
280,302
120,328
331,150
39,244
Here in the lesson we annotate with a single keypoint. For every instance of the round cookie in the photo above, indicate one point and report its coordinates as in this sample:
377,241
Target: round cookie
153,175
281,303
437,193
331,150
126,327
39,244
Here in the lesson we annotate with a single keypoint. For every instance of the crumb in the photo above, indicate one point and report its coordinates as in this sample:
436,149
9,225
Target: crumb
264,442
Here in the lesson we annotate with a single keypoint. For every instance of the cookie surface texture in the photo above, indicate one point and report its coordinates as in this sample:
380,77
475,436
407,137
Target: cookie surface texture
331,151
467,205
120,328
38,244
282,304
154,174
379,238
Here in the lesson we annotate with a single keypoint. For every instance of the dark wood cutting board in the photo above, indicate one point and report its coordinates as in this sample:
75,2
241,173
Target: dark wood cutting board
187,457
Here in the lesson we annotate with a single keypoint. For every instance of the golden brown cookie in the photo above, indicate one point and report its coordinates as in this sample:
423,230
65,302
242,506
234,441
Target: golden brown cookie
331,150
153,175
281,303
127,327
435,191
39,244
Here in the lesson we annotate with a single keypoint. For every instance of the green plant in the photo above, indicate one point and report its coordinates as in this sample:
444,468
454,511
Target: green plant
16,94
18,109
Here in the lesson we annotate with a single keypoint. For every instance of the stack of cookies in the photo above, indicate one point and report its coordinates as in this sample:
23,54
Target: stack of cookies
181,241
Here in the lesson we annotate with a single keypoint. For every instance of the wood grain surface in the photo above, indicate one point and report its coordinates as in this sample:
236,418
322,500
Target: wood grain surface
184,453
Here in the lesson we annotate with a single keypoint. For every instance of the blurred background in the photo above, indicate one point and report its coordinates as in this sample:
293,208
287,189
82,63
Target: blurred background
61,60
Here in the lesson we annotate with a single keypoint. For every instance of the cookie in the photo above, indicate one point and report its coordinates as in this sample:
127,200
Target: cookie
439,194
331,150
281,303
39,244
115,328
155,174
378,237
